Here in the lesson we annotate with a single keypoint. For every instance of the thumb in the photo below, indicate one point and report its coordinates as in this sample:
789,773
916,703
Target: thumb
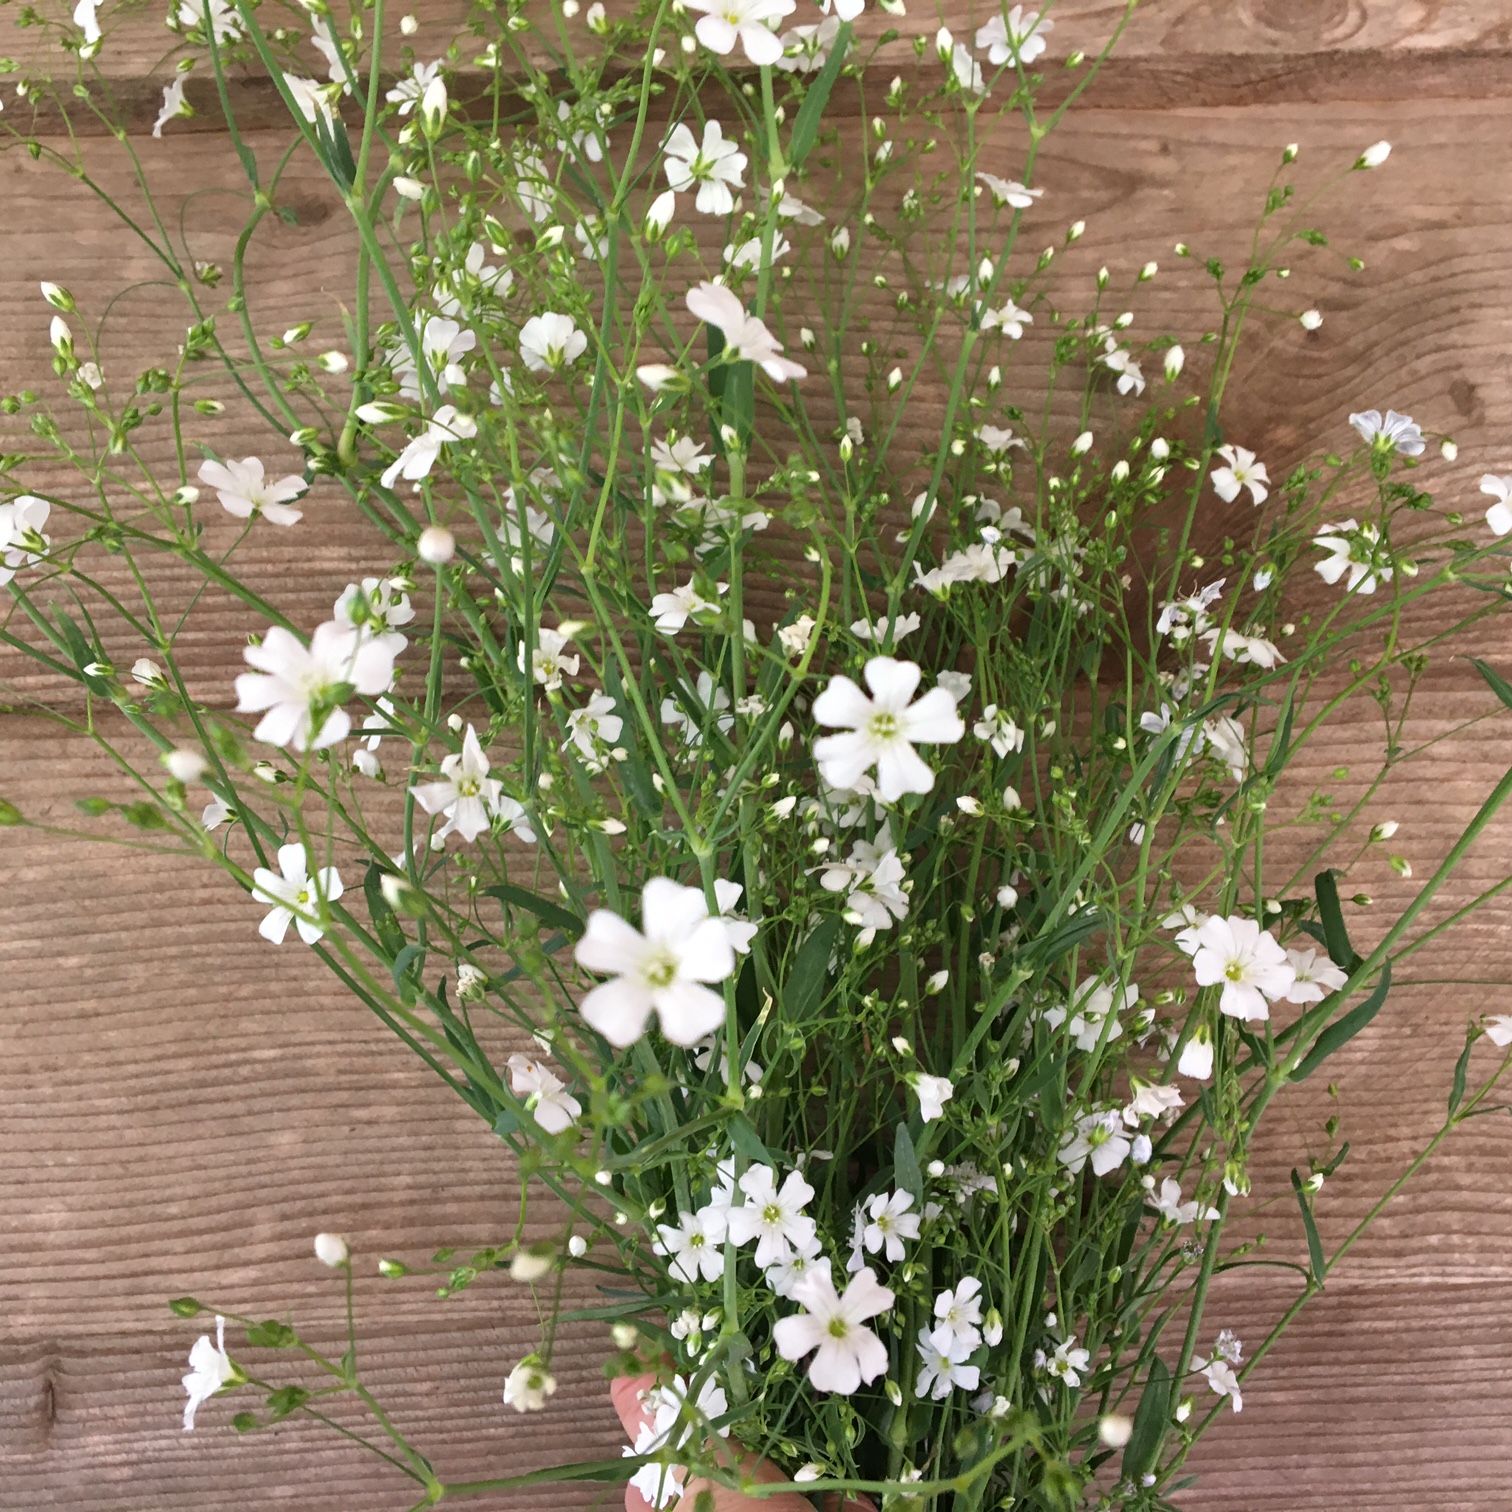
625,1392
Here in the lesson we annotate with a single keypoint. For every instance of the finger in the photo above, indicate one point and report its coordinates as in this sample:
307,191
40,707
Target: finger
625,1393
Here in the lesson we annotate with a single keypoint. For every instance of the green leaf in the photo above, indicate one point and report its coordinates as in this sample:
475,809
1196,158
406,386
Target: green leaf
1344,1029
1340,951
1494,680
82,652
10,814
186,1307
732,386
405,979
816,97
808,979
271,1334
1461,1072
906,1172
1045,949
543,908
744,1140
1316,1261
287,1399
1150,1419
334,149
1281,742
390,934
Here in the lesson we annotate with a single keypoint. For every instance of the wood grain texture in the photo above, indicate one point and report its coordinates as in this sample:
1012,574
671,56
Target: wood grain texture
158,1143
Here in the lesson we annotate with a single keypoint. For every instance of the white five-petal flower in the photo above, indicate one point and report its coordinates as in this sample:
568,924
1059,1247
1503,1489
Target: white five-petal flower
1241,470
664,970
299,689
297,897
882,729
1246,961
245,491
464,793
773,1216
550,342
1390,432
715,164
832,1327
723,23
1499,516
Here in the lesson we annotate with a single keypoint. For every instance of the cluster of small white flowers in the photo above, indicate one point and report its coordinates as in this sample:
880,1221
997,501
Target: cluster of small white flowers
495,339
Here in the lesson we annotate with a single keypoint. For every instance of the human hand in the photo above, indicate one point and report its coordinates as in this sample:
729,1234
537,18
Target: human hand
626,1395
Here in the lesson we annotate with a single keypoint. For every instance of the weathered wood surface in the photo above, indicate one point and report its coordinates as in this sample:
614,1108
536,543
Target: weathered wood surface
171,1128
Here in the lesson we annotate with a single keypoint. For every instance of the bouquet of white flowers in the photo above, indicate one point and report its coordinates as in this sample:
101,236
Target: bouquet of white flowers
804,751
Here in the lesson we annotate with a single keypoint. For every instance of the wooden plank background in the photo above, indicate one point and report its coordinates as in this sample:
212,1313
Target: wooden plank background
182,1108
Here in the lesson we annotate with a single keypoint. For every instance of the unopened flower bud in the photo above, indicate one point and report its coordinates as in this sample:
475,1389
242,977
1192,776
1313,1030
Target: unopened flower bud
331,1249
186,765
437,545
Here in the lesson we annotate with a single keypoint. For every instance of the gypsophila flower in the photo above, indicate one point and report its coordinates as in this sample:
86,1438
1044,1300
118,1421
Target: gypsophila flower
1009,319
1254,650
298,897
832,1328
544,1094
889,1221
1314,976
1021,36
418,456
1354,549
210,1371
666,970
548,666
724,23
23,542
1499,516
1093,1013
1066,1364
1221,1378
942,1364
933,1093
1098,1138
746,338
1170,1206
529,1386
882,728
375,608
694,1246
672,1418
550,342
216,18
1241,471
410,90
1007,192
958,1310
465,793
772,1216
1252,969
1197,1055
1389,433
998,729
715,164
245,492
298,688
